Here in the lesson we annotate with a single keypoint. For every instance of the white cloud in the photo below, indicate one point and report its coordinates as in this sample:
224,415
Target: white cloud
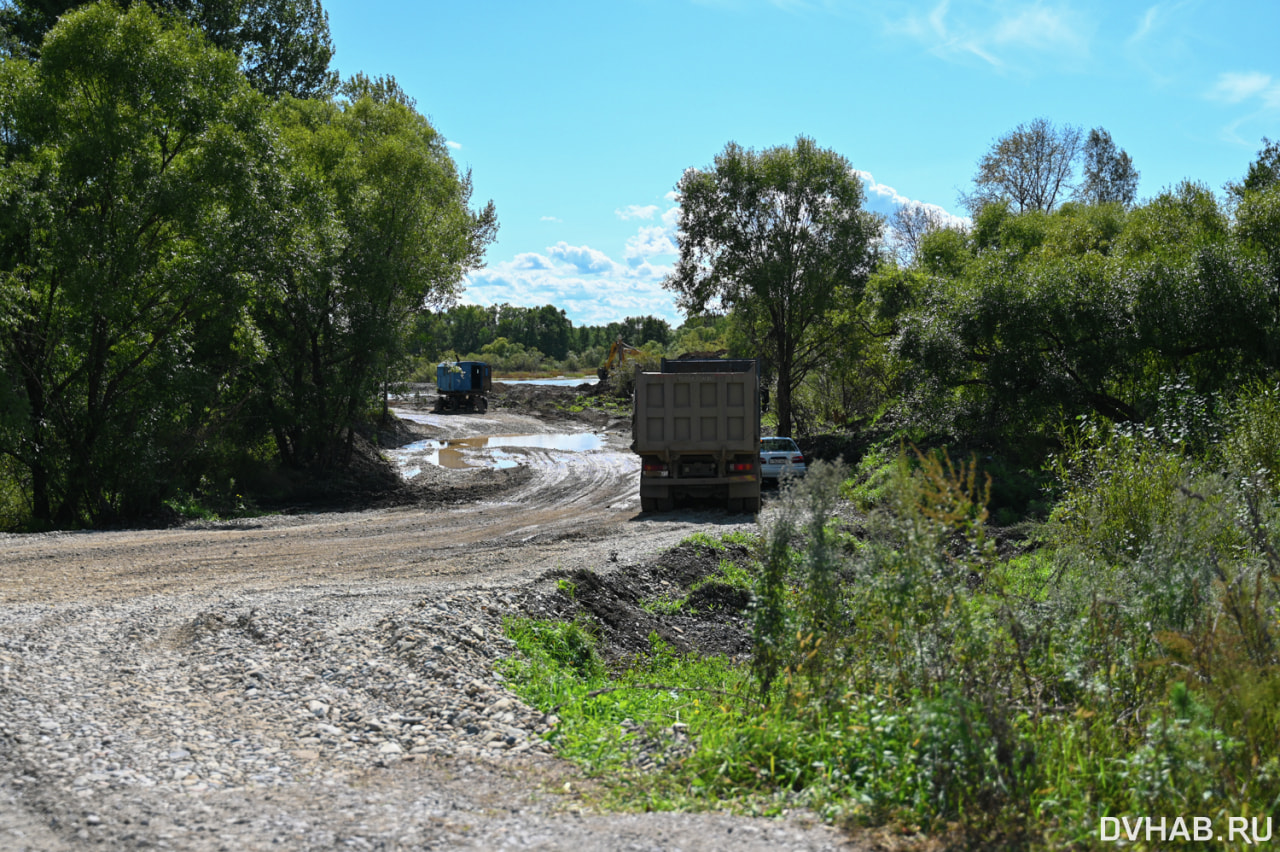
592,288
886,200
530,260
582,258
550,219
650,241
457,146
635,211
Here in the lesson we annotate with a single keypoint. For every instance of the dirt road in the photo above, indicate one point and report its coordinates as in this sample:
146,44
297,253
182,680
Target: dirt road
323,681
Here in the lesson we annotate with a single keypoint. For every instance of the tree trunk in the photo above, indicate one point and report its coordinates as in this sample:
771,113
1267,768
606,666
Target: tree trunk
784,397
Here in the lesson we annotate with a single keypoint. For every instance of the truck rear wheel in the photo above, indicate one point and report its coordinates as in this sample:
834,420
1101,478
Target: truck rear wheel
657,504
482,405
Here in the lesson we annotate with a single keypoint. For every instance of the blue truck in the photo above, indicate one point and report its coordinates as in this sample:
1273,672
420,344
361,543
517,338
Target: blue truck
462,385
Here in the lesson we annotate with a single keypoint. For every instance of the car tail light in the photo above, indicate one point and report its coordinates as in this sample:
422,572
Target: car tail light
797,459
655,468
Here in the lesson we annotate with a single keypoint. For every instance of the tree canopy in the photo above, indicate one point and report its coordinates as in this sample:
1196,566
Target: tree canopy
128,190
1032,168
283,45
189,271
779,236
1109,174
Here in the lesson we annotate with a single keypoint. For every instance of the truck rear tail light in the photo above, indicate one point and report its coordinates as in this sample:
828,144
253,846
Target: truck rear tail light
655,468
742,466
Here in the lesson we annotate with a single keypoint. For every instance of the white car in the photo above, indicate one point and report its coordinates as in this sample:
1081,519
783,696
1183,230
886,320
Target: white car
779,456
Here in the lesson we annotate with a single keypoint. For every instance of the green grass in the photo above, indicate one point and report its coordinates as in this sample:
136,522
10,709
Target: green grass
740,538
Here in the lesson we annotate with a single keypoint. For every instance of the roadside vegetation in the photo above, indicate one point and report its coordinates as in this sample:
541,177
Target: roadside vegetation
906,675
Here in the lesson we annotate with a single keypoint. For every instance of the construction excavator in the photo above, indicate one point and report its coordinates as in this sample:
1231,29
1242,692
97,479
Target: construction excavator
618,353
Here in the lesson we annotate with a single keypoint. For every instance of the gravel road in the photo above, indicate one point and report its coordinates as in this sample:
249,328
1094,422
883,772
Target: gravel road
324,681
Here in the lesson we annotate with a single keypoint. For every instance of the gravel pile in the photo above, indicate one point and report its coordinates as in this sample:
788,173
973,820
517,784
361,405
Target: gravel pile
235,697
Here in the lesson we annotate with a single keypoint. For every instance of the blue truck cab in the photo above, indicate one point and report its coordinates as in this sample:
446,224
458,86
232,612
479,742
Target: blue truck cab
462,385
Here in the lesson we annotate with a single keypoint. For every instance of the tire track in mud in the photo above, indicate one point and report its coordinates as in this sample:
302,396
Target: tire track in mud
585,496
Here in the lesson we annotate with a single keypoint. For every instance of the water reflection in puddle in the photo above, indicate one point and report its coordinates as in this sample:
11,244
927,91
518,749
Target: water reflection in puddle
467,453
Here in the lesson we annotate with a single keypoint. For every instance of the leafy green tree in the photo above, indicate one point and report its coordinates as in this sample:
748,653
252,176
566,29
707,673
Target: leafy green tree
374,226
1109,175
383,89
1264,172
284,45
286,48
779,236
1089,310
128,198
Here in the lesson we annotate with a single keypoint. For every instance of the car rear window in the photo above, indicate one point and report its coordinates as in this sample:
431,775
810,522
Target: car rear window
785,444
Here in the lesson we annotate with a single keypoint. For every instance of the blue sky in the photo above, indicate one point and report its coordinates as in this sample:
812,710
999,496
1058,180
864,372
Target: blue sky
578,118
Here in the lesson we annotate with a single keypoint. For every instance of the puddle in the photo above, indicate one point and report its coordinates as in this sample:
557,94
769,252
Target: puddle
559,381
488,451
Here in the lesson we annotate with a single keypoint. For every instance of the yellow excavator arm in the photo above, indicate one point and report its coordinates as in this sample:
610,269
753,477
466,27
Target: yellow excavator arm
618,353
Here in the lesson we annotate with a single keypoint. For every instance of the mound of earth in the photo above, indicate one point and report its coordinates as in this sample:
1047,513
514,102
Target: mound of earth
628,604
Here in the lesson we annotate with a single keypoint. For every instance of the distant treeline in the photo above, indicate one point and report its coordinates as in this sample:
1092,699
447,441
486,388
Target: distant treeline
469,328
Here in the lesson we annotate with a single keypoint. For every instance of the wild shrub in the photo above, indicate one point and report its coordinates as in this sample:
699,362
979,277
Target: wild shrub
1251,439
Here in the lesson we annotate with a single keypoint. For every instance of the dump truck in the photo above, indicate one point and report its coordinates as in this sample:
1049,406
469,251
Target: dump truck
462,386
696,428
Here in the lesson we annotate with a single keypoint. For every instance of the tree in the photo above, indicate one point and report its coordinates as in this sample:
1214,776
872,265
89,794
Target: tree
1091,310
910,224
1264,172
1109,175
780,237
373,226
283,45
128,197
286,48
1030,167
383,89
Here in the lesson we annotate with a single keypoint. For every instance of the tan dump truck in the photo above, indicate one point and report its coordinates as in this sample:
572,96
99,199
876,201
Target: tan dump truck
696,428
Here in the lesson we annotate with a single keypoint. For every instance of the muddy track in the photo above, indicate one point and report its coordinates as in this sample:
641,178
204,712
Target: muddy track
321,681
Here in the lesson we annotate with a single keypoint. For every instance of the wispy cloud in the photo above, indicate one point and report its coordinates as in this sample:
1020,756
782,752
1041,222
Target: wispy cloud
1001,34
1255,95
457,146
550,219
1234,88
636,211
1146,25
